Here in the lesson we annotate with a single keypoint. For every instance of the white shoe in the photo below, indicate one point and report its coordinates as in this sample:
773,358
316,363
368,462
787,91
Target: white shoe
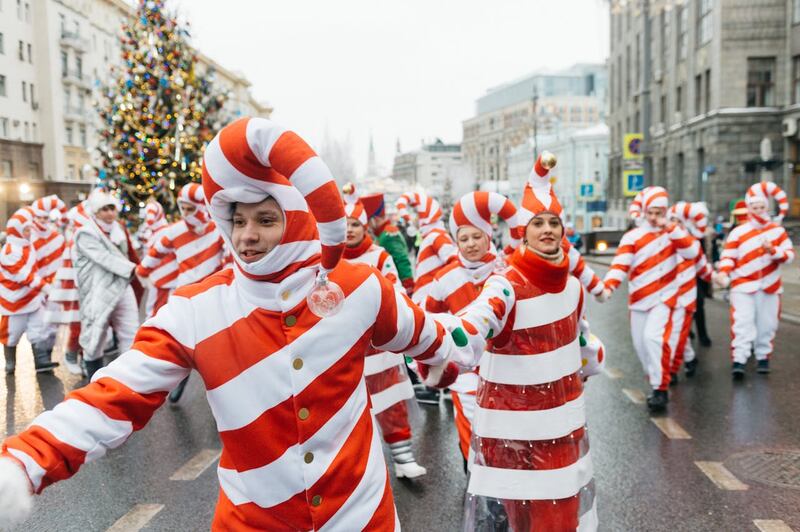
73,365
409,470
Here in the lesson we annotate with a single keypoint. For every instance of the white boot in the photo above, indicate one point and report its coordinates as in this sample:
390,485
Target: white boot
405,466
15,494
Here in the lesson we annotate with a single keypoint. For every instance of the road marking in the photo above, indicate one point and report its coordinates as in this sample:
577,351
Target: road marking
636,396
137,518
195,467
721,477
771,525
670,428
612,373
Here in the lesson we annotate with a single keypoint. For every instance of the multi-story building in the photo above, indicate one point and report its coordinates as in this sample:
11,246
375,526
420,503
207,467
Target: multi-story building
723,83
437,169
508,115
54,55
579,177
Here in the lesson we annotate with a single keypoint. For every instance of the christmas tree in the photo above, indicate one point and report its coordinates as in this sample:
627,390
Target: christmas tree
158,112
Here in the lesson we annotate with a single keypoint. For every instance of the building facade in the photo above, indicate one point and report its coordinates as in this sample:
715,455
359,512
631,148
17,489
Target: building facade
54,55
437,169
723,82
537,104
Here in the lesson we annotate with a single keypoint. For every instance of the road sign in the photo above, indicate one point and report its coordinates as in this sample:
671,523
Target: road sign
632,146
587,190
632,182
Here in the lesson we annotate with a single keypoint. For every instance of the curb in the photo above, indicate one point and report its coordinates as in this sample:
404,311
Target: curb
785,316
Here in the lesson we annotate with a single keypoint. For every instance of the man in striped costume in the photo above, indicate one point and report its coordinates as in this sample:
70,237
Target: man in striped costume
437,248
750,264
389,386
648,256
459,283
22,295
285,386
532,469
693,217
163,278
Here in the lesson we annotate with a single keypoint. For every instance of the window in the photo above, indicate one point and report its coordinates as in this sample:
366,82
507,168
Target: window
79,66
663,109
19,9
2,45
67,98
64,64
707,98
704,21
698,94
21,51
6,168
68,131
33,170
32,96
81,98
701,167
638,61
760,81
62,23
4,127
682,33
679,98
795,11
796,78
77,28
665,35
71,171
27,12
27,132
628,72
2,85
35,132
30,53
82,133
678,185
24,91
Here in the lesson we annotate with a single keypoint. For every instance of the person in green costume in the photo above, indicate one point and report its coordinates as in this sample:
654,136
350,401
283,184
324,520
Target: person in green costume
388,236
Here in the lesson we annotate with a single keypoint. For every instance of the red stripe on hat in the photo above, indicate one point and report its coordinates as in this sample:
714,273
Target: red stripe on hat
289,153
238,153
321,204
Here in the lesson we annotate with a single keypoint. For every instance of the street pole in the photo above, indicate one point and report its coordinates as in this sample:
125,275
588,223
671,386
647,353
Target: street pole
645,91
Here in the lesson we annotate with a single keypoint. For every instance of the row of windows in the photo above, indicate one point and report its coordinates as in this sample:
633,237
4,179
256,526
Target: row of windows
28,91
23,10
26,131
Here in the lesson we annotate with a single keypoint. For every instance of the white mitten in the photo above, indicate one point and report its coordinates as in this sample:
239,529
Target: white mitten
603,296
16,500
720,280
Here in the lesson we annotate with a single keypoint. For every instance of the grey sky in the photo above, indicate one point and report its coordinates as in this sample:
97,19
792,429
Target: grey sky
410,69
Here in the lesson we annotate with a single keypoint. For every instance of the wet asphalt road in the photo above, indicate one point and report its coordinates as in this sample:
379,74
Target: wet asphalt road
645,479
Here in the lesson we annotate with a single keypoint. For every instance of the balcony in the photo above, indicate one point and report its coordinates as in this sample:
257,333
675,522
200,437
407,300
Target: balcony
75,114
74,41
76,78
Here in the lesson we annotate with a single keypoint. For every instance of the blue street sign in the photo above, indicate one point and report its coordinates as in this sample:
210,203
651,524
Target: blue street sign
587,190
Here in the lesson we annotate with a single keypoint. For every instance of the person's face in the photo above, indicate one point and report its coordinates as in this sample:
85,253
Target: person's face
187,209
472,243
42,221
544,233
26,232
355,232
655,215
107,214
257,229
759,208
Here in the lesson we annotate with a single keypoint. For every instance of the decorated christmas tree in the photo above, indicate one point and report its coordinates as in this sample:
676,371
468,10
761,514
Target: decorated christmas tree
158,111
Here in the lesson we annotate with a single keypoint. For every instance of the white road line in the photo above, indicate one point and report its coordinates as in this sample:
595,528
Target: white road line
771,525
721,477
137,518
612,373
670,428
195,467
636,396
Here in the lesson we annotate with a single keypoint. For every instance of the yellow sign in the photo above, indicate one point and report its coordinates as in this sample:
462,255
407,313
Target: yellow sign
632,146
632,182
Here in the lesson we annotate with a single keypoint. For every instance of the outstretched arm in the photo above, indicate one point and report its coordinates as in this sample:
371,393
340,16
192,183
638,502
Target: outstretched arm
162,247
621,263
90,246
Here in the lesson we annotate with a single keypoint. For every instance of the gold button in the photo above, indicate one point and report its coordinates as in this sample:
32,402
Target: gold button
303,413
297,363
316,500
285,294
290,321
309,457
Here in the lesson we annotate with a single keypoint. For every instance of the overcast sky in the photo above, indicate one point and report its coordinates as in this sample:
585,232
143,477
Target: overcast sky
410,69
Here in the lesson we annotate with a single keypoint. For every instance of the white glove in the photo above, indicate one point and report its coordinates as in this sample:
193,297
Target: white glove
720,280
603,296
16,500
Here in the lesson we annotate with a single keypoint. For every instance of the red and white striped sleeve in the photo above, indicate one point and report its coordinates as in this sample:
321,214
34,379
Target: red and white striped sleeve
160,249
388,269
403,327
783,250
435,301
687,246
730,253
622,261
584,273
120,400
444,248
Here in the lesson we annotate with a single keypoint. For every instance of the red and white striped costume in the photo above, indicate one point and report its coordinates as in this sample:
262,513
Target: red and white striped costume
47,240
755,279
22,290
437,248
65,291
194,242
694,217
163,278
648,256
532,467
289,400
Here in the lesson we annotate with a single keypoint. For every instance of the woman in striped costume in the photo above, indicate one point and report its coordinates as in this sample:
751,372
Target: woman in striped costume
22,295
750,265
285,386
389,386
532,469
162,278
459,283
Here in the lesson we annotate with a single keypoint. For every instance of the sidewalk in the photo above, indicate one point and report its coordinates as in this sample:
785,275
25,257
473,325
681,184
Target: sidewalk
790,302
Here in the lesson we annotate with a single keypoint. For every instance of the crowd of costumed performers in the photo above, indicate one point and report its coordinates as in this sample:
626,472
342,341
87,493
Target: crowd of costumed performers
313,330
